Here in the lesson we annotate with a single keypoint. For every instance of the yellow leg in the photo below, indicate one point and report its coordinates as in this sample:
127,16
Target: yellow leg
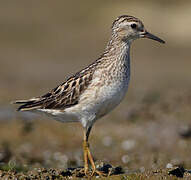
85,157
94,170
88,156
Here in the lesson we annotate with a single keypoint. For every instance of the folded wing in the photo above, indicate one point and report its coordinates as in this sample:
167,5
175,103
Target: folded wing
65,95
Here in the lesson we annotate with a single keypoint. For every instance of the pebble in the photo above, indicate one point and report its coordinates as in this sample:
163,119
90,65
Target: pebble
125,159
169,165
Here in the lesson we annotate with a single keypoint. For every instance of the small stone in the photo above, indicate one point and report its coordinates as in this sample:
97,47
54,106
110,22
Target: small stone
178,172
125,159
169,165
118,170
66,173
105,168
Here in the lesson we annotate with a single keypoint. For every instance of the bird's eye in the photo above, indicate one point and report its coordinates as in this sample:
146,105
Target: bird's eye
134,26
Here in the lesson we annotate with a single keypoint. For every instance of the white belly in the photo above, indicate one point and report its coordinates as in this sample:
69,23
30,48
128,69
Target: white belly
109,98
99,101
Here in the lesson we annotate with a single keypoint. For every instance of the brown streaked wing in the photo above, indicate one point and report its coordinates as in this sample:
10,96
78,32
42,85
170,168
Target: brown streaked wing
65,95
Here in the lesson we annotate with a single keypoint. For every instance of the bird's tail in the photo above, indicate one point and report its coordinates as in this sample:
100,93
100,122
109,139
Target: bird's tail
30,104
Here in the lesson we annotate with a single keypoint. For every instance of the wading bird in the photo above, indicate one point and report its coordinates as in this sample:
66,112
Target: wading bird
97,89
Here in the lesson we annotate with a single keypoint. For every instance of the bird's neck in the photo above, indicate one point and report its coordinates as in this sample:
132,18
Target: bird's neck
117,52
116,60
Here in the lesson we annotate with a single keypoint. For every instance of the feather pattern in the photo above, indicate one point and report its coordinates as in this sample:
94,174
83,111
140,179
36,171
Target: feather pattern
65,95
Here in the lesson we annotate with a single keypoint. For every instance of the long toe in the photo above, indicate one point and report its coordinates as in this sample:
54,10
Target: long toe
99,173
84,172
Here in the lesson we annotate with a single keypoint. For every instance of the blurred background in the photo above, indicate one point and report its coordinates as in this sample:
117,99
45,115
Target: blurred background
44,42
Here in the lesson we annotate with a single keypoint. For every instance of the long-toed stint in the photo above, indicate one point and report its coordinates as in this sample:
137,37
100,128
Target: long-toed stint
97,89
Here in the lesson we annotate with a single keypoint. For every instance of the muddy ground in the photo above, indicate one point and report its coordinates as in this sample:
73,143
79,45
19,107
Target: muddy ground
108,172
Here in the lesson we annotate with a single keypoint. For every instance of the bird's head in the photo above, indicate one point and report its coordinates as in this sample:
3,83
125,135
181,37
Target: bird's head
129,28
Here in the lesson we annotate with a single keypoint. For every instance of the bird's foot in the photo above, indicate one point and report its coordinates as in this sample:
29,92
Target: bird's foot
84,172
99,173
91,173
